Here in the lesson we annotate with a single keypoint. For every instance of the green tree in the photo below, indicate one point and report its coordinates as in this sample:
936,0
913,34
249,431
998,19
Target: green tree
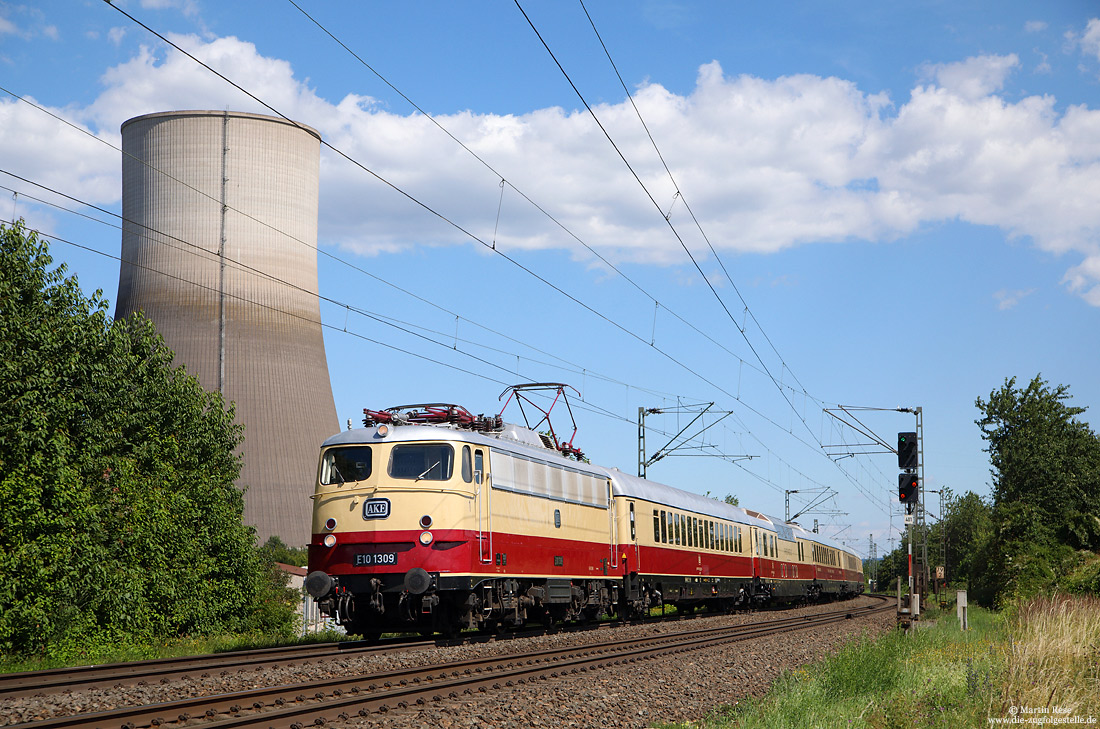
1046,476
277,550
967,523
121,521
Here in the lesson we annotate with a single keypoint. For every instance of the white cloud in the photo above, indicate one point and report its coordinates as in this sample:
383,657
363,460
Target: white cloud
1035,26
1090,40
116,34
1007,299
975,77
765,164
188,7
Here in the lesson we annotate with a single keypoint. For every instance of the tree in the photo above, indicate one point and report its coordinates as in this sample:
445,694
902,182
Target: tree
122,522
1042,455
1046,475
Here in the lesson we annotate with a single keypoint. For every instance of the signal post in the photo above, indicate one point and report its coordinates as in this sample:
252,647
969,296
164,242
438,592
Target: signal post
909,488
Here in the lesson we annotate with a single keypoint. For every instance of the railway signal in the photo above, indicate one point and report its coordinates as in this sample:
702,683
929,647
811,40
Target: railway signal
907,450
907,488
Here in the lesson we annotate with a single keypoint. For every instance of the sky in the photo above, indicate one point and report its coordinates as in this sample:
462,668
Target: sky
782,210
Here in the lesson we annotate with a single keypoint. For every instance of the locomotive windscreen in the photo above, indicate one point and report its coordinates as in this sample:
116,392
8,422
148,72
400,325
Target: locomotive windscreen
422,461
346,464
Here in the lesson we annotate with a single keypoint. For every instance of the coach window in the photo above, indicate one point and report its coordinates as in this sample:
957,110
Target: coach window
656,526
467,465
664,527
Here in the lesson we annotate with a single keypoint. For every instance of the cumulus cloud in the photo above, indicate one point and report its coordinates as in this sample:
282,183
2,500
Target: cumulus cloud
766,164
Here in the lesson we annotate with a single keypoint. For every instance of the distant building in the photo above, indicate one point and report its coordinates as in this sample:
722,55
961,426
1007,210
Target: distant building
219,248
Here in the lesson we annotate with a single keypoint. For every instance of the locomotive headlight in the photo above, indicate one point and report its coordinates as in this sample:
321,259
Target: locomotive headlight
330,523
330,540
425,538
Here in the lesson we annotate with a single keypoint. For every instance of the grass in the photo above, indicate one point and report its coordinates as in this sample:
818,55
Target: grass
1039,660
934,676
1055,656
168,649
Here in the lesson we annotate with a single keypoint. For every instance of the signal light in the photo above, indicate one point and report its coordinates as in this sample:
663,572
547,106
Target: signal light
907,488
907,450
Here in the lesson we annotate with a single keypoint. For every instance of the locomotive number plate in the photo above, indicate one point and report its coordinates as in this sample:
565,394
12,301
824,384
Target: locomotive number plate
373,560
376,508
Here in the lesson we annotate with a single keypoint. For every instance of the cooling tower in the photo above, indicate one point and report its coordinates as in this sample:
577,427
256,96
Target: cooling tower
219,248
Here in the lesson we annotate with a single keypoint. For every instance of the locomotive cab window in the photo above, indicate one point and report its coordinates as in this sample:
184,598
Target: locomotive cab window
422,461
341,465
467,466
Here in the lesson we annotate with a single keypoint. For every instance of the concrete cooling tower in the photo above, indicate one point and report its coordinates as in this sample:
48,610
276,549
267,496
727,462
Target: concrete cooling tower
219,249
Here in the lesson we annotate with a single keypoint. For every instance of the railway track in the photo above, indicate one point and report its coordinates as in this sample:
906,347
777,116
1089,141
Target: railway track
315,703
165,670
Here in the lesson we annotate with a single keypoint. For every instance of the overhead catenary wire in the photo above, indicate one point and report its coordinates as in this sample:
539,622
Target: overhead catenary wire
337,302
434,212
667,218
656,302
194,249
504,181
442,217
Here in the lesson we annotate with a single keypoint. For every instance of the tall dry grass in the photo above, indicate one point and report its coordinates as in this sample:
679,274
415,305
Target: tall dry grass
1054,656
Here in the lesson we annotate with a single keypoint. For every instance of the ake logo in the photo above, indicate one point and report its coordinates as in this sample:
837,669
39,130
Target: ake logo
376,508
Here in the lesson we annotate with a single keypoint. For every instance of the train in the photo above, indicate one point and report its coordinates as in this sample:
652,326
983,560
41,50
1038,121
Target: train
429,519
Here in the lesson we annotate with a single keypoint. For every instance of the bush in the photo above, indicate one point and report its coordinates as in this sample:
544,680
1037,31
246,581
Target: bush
121,520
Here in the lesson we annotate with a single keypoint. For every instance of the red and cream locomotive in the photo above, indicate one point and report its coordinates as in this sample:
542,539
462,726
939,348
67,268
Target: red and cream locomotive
430,519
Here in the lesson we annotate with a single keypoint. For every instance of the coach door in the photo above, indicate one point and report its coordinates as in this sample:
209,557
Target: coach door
483,490
613,530
754,540
630,556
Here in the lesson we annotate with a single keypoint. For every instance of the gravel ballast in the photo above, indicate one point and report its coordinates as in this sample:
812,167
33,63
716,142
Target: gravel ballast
680,687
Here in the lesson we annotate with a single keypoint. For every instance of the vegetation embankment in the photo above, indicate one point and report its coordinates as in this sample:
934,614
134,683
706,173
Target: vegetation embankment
1039,660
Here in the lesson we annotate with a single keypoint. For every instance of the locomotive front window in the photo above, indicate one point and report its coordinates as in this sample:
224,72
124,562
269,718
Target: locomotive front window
422,461
341,465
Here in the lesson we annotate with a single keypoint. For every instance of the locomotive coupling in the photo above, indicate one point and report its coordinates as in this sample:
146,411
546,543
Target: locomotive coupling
417,581
318,584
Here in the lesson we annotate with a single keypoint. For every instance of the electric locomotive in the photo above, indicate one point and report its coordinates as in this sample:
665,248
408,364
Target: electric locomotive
430,519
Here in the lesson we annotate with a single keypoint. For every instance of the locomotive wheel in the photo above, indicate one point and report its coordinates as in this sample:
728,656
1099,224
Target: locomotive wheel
370,633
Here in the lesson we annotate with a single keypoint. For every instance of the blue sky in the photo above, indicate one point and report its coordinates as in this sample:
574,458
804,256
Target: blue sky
904,195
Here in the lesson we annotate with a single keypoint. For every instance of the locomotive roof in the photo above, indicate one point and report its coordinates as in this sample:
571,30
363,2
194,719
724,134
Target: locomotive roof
521,441
514,439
